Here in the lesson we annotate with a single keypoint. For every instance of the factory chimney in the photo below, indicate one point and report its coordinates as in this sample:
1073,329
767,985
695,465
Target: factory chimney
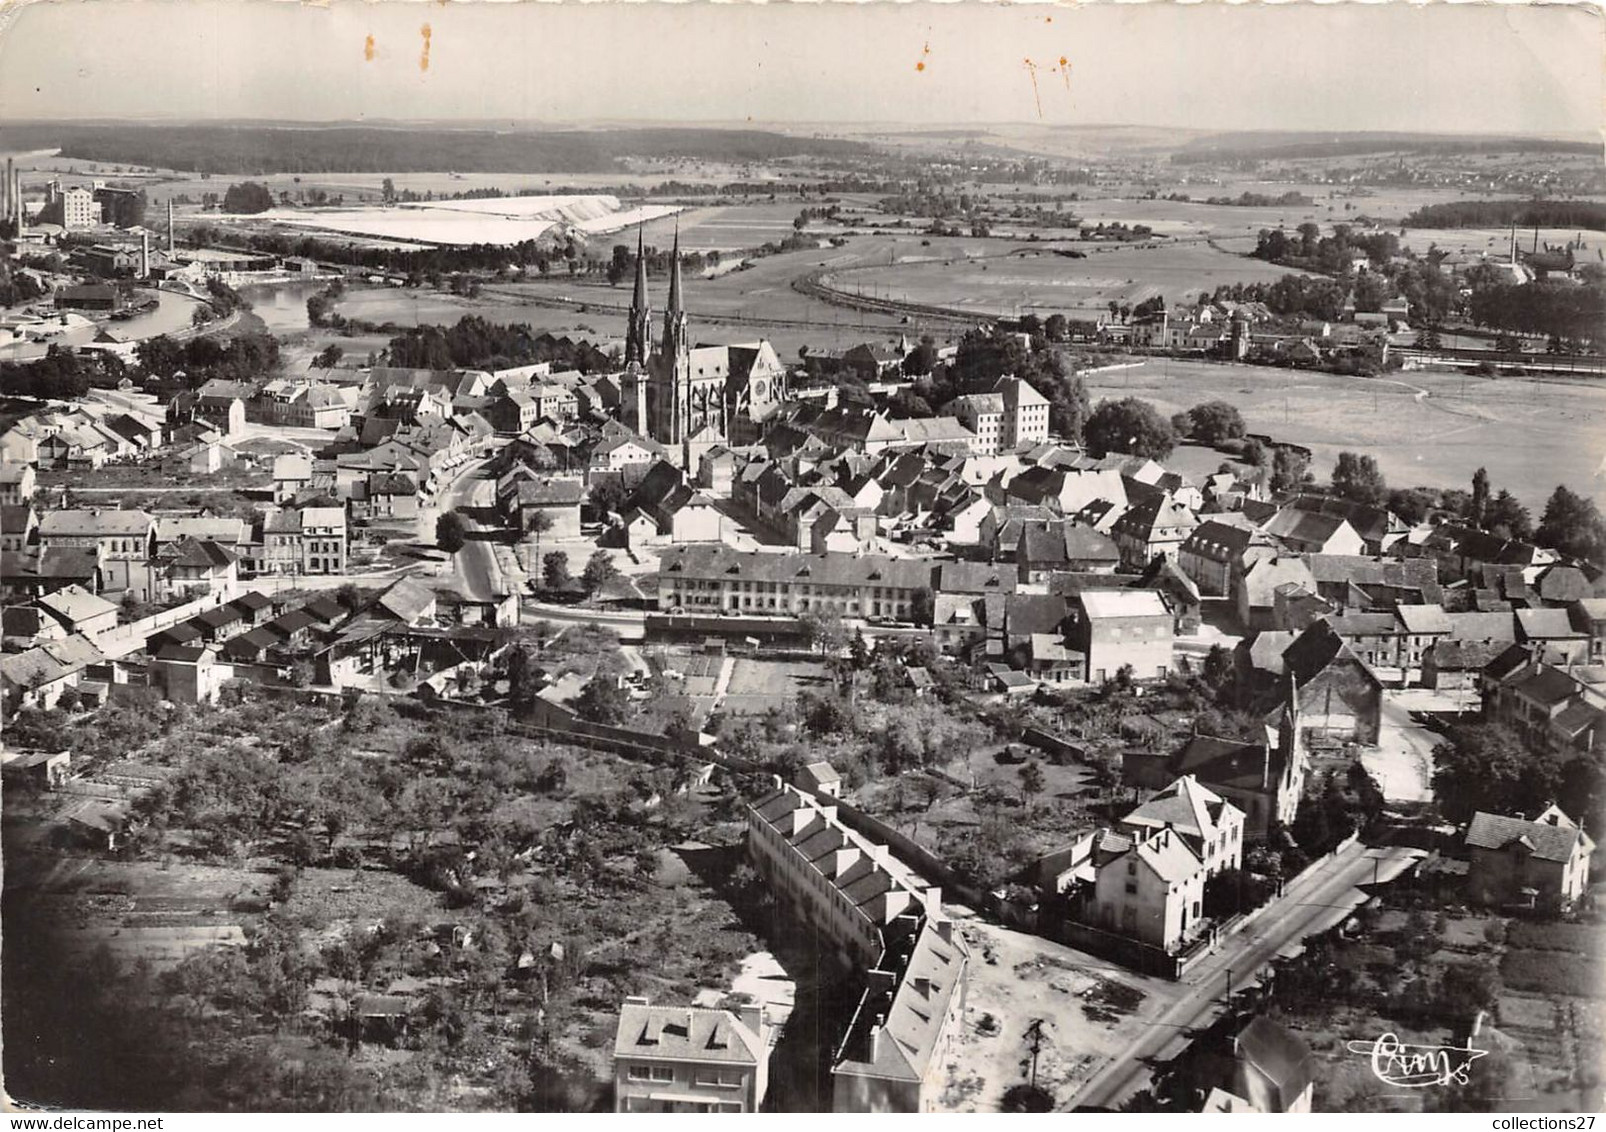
10,176
170,247
145,254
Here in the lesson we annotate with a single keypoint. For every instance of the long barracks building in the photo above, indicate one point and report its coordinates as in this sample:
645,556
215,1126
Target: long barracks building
706,578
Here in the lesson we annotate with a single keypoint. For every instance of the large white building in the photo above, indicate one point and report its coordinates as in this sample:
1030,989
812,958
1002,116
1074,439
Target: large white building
1012,416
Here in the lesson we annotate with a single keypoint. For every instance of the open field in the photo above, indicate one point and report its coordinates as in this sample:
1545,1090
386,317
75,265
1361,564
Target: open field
1038,280
1433,429
758,685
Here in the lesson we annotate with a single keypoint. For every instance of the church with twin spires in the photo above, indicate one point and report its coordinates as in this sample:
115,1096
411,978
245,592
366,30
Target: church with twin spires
691,398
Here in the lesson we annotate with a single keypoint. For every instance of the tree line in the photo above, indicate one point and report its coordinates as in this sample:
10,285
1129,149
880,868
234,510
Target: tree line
1504,213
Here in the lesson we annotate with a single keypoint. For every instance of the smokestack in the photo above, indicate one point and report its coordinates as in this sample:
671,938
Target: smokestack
170,246
10,176
144,255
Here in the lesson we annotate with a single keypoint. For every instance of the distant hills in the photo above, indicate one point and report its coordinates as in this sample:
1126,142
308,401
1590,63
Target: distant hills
1272,144
261,149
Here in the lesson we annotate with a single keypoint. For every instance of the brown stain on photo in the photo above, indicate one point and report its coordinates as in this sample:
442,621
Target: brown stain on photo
368,50
924,51
423,60
1037,97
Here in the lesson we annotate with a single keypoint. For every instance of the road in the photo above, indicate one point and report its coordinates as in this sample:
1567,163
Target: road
475,567
1320,899
1402,762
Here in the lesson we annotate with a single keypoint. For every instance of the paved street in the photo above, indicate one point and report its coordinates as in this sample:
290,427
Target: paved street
475,565
1402,761
1319,900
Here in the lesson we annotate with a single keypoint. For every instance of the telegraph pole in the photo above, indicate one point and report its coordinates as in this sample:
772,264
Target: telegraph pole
1035,1033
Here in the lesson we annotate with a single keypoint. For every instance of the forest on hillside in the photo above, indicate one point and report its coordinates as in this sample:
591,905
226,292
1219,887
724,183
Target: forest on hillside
367,149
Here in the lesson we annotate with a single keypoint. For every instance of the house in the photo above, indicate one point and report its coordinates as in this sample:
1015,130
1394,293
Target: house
120,536
1217,551
189,674
1256,591
1553,631
1064,546
1273,1070
1155,527
1542,863
17,481
1453,665
1314,532
1340,697
18,522
1378,527
558,499
39,676
1212,827
820,778
689,1059
1153,892
1115,629
311,540
199,564
79,611
1589,617
35,770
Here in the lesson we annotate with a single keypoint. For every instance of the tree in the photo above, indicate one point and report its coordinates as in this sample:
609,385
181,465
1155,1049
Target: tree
1216,421
537,523
921,359
451,532
922,606
1032,781
1412,504
1253,454
1487,767
602,701
1505,516
1573,525
1290,469
1069,408
822,631
328,357
555,570
1357,478
247,197
1130,426
598,572
1480,497
1056,328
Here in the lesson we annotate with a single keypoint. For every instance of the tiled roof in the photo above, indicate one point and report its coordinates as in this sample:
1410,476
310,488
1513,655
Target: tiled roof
685,1033
64,524
832,569
1545,841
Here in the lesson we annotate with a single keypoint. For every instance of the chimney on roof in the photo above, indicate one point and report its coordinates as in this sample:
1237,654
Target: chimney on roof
875,1036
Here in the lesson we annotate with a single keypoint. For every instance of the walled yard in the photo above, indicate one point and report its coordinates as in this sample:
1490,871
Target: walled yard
1089,1008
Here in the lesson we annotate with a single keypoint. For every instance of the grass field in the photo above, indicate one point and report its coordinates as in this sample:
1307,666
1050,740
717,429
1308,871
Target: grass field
1040,281
1432,429
758,685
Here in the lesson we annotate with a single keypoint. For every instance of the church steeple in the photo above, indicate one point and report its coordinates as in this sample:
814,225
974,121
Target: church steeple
674,343
638,333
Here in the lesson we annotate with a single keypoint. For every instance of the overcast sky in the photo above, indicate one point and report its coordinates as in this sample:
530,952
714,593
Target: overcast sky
1468,67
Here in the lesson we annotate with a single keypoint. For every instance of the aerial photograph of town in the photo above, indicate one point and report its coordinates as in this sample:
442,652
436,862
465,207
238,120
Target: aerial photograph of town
832,558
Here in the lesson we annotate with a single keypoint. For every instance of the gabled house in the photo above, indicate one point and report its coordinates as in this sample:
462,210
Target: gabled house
1154,528
690,1059
1210,825
1542,863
